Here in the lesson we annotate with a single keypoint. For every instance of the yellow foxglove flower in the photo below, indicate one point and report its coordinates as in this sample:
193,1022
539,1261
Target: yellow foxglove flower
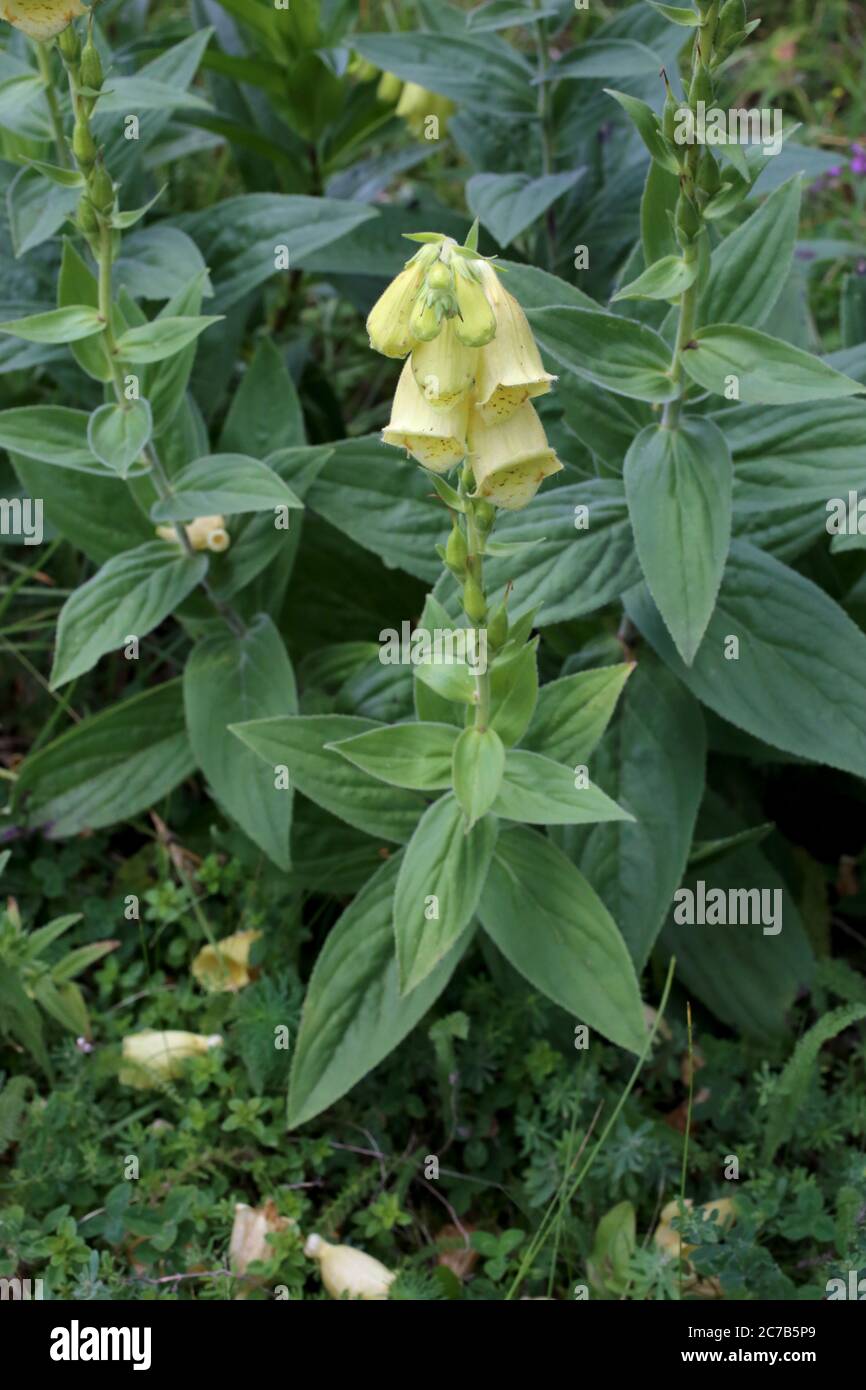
205,533
435,437
226,965
389,88
41,19
477,322
444,368
510,460
388,321
416,104
151,1057
510,370
347,1272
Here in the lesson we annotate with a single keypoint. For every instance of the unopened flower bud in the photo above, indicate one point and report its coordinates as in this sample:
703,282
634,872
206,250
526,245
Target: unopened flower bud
701,88
101,188
456,551
708,180
497,628
83,146
87,219
688,220
474,603
439,276
69,44
389,88
425,321
476,324
90,71
732,21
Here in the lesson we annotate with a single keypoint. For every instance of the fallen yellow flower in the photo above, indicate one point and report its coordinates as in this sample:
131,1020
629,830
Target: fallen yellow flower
225,965
350,1272
151,1057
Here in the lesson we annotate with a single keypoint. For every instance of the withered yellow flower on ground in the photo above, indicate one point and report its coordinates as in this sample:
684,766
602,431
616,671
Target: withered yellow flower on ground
205,533
225,966
349,1272
510,460
250,1231
433,436
152,1056
41,19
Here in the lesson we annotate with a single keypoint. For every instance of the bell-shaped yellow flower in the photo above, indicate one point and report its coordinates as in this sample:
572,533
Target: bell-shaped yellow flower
388,321
476,324
347,1272
416,104
511,459
510,370
205,533
41,19
444,368
225,966
152,1057
433,436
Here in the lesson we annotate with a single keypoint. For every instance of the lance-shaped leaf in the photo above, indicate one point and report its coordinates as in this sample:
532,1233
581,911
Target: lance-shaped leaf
553,928
222,484
665,279
440,880
57,325
619,354
541,792
152,342
128,597
415,755
354,1013
679,484
747,365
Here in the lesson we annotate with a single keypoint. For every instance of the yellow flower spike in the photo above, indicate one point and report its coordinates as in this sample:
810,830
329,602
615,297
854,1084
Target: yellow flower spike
444,368
225,966
41,19
152,1057
476,325
388,320
510,371
349,1272
205,533
510,460
435,437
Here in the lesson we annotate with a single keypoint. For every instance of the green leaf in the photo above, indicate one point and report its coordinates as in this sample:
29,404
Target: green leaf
749,268
228,680
513,692
90,507
441,876
417,756
506,14
222,484
109,767
572,713
677,15
302,744
67,178
51,433
77,285
163,337
129,596
679,483
117,434
657,207
541,792
165,382
508,204
265,413
646,122
136,94
451,67
549,923
607,58
636,865
57,325
479,762
354,1014
791,1089
798,680
451,680
237,237
764,370
19,1017
665,279
619,354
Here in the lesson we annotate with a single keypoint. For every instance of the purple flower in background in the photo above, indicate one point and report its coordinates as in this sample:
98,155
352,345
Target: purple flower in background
858,161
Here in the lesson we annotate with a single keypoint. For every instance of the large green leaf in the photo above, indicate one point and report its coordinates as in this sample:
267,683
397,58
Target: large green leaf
301,744
636,865
761,370
354,1013
749,269
509,203
539,791
678,483
798,680
619,354
440,880
109,767
265,414
98,514
224,484
230,679
50,433
572,713
550,924
128,597
412,755
451,66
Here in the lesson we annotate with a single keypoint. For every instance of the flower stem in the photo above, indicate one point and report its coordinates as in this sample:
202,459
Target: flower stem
43,58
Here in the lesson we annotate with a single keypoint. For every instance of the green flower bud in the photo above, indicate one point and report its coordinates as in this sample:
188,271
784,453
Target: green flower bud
709,180
424,320
83,146
69,44
688,221
101,188
732,21
456,551
87,219
701,88
485,513
476,325
474,605
497,628
439,276
91,65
